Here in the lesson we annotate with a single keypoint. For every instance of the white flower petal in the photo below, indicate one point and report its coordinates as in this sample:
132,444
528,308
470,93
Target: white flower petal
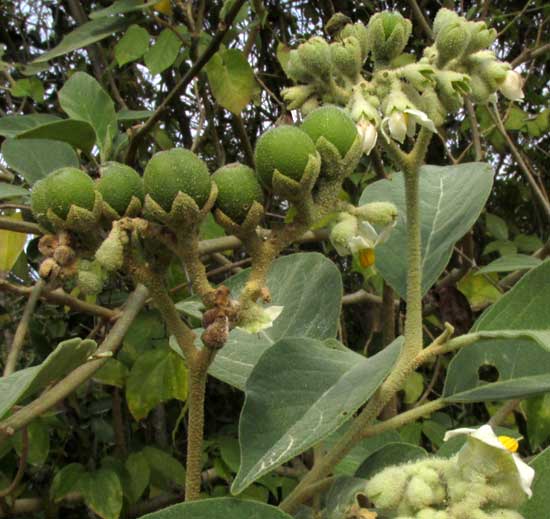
385,122
367,231
398,126
368,134
421,118
526,474
385,233
358,243
512,86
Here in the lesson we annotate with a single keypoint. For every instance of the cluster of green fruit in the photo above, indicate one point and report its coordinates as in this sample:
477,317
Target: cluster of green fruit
120,191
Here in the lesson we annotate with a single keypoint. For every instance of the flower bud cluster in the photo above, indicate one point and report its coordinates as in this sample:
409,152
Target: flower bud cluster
483,481
399,96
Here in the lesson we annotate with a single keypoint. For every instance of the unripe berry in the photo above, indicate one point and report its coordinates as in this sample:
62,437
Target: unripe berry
118,184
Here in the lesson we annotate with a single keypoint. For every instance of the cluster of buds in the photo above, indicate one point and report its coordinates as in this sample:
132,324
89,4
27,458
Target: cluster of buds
485,480
60,260
355,231
399,95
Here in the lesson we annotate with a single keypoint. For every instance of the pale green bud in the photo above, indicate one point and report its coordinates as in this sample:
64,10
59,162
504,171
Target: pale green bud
443,18
433,107
343,232
315,57
451,41
296,96
481,91
419,494
359,31
494,72
386,489
505,514
388,34
311,104
451,87
480,37
347,58
110,254
419,75
378,213
296,70
89,282
430,513
361,108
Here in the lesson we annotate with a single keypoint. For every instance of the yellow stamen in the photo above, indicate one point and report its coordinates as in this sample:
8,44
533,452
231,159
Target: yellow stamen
511,444
366,257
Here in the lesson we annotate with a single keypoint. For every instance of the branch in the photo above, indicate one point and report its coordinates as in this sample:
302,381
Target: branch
212,48
421,19
19,226
77,377
22,328
21,469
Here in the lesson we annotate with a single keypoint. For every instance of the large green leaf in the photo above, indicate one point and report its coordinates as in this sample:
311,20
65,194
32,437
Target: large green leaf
537,507
33,159
67,356
84,99
11,191
231,79
132,45
76,133
510,263
219,508
163,53
13,125
165,470
451,199
517,346
156,376
102,492
309,287
84,35
299,393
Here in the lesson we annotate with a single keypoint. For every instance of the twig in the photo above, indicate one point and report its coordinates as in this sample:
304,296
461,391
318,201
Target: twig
11,224
243,135
501,415
474,128
212,48
22,328
421,18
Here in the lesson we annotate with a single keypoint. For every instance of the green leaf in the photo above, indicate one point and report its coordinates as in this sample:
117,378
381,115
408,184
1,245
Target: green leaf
165,469
537,507
66,481
145,333
11,246
84,35
283,55
29,87
479,290
231,79
325,387
102,492
309,287
537,413
67,356
496,226
503,247
33,159
156,376
528,243
84,99
112,373
413,388
219,508
133,45
78,134
138,476
516,118
39,442
11,191
511,263
133,115
122,7
517,349
389,454
452,198
163,53
12,125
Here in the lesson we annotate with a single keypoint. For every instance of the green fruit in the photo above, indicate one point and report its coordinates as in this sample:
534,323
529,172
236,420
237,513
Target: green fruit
169,172
238,189
66,187
285,148
118,184
332,123
39,203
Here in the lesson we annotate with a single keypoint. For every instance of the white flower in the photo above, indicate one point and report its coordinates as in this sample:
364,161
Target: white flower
512,86
403,123
486,435
258,318
369,135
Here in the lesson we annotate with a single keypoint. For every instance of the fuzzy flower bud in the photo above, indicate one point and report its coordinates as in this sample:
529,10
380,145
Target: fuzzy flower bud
347,57
296,96
378,213
386,488
359,31
443,18
110,254
388,34
361,108
512,86
419,75
480,37
419,494
342,232
314,55
451,41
